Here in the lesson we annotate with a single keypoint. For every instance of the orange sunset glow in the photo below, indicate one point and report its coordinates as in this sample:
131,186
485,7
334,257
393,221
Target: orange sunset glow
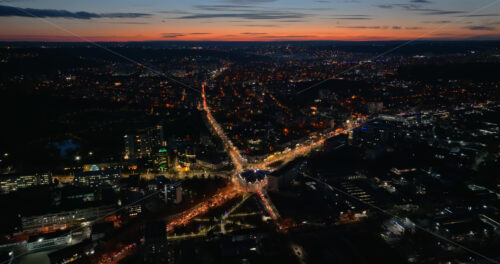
241,20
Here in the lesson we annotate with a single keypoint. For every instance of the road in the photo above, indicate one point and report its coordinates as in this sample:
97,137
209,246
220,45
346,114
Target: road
301,149
240,164
217,200
235,155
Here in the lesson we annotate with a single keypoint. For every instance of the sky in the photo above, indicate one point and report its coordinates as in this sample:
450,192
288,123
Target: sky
248,20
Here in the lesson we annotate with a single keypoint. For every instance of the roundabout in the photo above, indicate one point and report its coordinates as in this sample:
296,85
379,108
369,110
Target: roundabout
252,180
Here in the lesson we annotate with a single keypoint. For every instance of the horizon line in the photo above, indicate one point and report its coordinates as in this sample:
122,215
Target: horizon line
245,41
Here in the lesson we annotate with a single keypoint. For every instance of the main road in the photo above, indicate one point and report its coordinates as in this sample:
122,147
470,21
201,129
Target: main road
241,164
235,155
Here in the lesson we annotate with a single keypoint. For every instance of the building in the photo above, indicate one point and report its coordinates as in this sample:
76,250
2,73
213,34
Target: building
162,160
128,142
252,180
132,200
171,190
98,179
104,166
155,137
13,182
61,220
144,143
49,240
378,131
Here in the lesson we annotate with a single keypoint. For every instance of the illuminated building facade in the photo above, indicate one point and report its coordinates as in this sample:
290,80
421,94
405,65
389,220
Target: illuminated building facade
54,239
11,183
144,143
162,160
252,180
61,220
171,190
98,179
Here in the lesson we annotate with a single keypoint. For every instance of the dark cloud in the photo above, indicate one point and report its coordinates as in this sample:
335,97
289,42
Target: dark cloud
253,33
428,11
199,33
32,12
482,15
250,8
265,25
352,17
126,23
380,27
361,27
311,8
292,21
124,15
441,12
172,35
415,6
285,37
249,1
437,22
385,6
224,8
485,37
175,12
244,10
248,15
481,28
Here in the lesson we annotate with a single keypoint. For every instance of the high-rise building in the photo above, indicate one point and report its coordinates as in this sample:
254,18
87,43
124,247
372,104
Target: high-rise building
136,146
129,146
144,143
171,190
162,160
156,137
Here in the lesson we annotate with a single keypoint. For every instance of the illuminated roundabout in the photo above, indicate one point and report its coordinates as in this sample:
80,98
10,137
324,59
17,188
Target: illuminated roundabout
252,180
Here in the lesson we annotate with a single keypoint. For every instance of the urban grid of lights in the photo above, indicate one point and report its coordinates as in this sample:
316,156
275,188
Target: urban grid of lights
241,164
